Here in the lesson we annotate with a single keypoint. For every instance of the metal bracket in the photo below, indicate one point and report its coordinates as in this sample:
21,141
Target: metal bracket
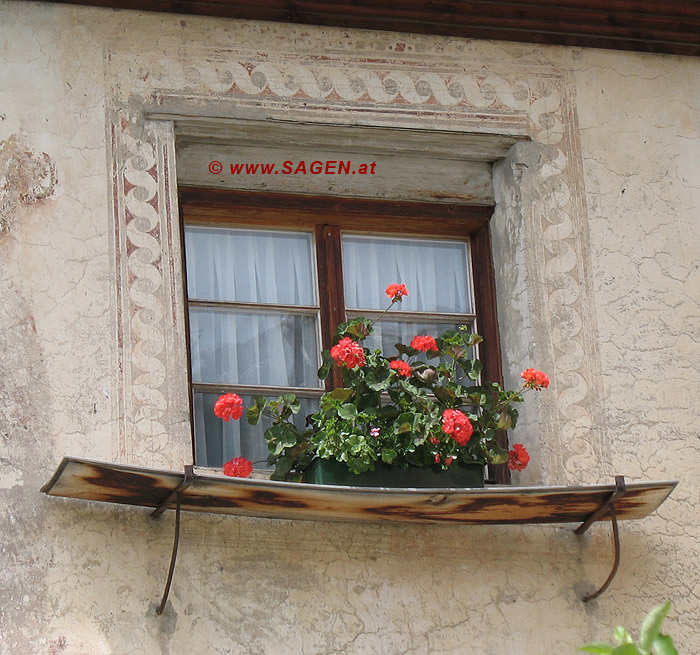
607,506
176,493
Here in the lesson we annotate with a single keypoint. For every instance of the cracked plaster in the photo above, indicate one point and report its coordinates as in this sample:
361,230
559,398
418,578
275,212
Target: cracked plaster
82,578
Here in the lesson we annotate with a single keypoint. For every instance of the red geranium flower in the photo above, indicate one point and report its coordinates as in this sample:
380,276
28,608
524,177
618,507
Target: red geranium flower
401,367
449,460
229,406
518,458
348,353
238,467
535,379
457,425
424,343
396,292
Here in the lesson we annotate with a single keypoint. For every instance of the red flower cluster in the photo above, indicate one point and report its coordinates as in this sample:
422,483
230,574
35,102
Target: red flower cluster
229,406
401,367
535,379
238,467
348,353
518,458
457,425
396,292
424,343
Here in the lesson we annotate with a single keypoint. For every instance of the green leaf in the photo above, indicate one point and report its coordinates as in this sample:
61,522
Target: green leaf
348,412
253,415
476,370
456,352
388,412
282,468
622,636
626,649
504,422
359,328
291,401
388,455
444,394
601,649
255,412
401,428
496,454
663,645
284,433
327,365
341,394
405,350
652,625
378,380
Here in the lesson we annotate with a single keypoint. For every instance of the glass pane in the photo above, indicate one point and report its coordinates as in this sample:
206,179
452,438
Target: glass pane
217,441
436,273
261,266
239,347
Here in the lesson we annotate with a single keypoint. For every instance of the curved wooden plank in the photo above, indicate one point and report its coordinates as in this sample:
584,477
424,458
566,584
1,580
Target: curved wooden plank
216,493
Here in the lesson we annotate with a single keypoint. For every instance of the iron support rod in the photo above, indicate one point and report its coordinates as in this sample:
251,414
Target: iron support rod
607,506
176,493
616,541
187,480
176,543
620,489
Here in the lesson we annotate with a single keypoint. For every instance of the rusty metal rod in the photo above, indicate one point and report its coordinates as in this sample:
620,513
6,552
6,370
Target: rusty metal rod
176,543
616,541
620,489
187,480
607,506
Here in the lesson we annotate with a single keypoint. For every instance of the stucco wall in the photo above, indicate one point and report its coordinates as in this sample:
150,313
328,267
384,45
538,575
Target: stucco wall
602,239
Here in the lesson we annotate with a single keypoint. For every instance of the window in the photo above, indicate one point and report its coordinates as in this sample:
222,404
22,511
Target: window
269,277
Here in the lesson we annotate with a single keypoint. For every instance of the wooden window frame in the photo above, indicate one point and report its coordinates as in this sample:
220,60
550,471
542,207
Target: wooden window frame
327,217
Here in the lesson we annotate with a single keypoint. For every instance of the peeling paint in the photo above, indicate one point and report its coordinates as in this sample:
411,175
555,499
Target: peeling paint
25,177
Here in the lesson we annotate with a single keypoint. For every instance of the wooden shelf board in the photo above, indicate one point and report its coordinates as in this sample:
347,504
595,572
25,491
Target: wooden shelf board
216,493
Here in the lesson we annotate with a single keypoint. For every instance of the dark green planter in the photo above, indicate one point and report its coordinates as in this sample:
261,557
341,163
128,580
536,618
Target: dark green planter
330,471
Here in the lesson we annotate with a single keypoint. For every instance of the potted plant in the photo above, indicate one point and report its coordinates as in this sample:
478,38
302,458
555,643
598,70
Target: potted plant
421,417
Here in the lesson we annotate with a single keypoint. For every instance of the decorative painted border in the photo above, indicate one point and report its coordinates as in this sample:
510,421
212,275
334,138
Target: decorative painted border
428,95
152,403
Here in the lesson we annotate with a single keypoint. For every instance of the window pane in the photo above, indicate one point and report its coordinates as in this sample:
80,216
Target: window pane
239,347
435,272
217,441
261,266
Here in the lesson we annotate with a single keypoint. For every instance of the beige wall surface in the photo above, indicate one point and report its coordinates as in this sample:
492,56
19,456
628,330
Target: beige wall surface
597,247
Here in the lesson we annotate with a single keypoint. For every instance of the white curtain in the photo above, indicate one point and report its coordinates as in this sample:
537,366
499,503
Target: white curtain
238,346
217,441
435,272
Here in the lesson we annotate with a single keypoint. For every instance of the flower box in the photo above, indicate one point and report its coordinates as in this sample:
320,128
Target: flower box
458,476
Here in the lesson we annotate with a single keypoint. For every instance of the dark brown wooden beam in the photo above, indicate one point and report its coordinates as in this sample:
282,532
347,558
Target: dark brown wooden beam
642,25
